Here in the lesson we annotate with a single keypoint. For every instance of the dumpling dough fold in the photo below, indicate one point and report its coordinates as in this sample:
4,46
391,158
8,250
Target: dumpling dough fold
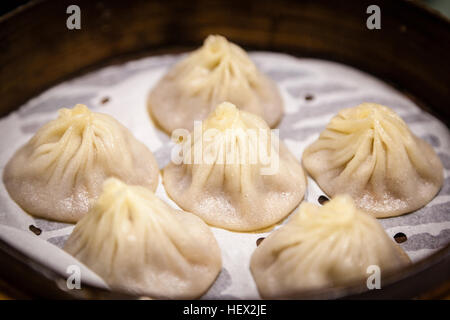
141,245
58,173
244,181
322,247
219,71
369,152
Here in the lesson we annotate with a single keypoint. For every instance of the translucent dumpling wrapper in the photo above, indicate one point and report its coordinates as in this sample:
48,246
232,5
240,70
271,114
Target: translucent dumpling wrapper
58,173
234,172
139,244
369,152
334,245
219,71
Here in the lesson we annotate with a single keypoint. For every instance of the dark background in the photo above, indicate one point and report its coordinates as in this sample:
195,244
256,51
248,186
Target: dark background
441,5
9,5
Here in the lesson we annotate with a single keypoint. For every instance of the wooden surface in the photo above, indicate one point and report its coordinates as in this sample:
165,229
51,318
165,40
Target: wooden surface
442,292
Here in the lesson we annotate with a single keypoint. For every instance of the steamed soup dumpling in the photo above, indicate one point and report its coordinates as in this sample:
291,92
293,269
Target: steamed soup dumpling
232,174
139,244
322,247
62,168
218,71
369,152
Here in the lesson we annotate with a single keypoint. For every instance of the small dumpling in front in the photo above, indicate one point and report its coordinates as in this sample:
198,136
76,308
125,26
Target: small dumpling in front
369,152
218,71
234,172
323,247
139,244
60,171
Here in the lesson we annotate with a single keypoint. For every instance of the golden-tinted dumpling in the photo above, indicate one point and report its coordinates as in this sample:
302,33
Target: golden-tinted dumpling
246,180
322,247
369,152
218,71
139,244
61,169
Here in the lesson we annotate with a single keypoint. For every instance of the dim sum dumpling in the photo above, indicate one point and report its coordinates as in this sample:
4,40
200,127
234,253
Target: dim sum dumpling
322,247
369,152
218,71
139,244
62,168
242,181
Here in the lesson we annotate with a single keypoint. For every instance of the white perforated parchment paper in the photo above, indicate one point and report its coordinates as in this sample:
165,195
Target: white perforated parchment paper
313,92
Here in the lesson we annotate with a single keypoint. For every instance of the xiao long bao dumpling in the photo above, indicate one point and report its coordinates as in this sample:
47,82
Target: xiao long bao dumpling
141,245
323,247
369,152
62,168
232,175
218,71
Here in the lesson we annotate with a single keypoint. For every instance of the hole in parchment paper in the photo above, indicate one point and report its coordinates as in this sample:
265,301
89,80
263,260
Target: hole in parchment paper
35,230
309,97
400,237
258,242
322,200
104,100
